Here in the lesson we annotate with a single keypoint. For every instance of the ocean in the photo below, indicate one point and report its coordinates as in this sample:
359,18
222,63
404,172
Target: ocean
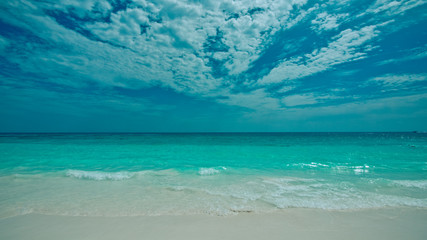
148,174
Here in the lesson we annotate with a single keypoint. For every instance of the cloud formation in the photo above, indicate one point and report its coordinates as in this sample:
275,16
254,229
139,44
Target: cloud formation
346,46
262,56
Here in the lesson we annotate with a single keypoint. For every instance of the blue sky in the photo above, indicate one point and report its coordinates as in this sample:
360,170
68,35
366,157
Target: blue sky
220,65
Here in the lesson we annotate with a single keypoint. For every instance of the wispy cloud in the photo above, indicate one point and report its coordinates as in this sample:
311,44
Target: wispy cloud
349,45
257,100
299,99
325,21
398,81
408,55
393,7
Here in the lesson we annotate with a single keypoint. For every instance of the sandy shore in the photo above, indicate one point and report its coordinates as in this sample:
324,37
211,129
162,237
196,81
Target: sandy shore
402,223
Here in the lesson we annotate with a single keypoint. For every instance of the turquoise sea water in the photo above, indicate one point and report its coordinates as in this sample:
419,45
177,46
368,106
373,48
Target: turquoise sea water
218,174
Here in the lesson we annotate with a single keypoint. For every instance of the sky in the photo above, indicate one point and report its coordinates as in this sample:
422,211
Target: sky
213,65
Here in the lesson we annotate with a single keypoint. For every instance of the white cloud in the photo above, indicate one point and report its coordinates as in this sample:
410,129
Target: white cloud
325,21
169,53
386,114
393,7
411,54
362,107
103,63
124,25
373,109
258,100
299,99
396,81
285,89
309,98
347,46
163,43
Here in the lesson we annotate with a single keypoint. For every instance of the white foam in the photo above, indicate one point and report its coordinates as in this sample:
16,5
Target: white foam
310,193
210,171
99,176
187,193
309,165
355,169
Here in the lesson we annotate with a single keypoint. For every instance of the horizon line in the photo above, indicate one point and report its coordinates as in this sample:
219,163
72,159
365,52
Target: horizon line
200,132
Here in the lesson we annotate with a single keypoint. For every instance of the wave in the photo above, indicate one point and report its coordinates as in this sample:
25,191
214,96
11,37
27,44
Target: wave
168,192
211,171
99,176
345,169
422,184
322,194
308,165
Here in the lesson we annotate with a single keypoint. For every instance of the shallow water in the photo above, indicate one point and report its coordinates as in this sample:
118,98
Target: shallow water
220,174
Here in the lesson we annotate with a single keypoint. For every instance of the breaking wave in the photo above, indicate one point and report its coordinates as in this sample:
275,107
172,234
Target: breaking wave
211,171
99,175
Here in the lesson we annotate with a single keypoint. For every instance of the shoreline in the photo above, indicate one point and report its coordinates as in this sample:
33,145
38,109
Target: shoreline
388,223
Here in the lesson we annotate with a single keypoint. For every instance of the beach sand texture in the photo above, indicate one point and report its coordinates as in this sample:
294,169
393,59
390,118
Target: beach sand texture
400,223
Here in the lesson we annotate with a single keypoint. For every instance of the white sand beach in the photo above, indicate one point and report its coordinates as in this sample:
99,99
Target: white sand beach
397,223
